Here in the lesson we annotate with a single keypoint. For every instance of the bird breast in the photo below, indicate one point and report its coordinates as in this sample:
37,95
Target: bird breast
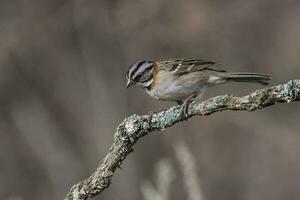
169,87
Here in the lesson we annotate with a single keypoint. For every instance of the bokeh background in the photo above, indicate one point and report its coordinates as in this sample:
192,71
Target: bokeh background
62,95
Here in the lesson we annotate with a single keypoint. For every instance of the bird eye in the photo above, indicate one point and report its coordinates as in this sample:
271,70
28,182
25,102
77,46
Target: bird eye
146,76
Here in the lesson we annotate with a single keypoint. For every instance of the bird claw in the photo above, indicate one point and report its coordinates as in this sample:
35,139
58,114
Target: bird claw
185,109
185,106
150,114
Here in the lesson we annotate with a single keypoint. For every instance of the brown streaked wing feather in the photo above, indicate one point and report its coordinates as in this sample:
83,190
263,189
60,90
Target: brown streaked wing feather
185,66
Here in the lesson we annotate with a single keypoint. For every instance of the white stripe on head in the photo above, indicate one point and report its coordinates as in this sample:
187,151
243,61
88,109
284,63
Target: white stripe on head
134,68
141,67
147,83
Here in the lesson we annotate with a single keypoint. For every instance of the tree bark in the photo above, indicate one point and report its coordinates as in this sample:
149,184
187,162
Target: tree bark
135,127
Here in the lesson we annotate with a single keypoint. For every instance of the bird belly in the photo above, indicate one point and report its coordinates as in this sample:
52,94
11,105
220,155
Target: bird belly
170,88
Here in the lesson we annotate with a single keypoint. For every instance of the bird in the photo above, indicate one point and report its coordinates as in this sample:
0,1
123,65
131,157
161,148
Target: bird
184,80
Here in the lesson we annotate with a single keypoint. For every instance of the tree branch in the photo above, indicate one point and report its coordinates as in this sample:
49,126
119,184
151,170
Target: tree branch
135,127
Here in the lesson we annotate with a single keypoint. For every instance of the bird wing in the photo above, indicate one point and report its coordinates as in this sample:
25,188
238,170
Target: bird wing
181,67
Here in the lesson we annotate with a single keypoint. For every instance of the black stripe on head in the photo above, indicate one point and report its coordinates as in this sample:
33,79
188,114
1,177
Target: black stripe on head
144,70
140,68
147,79
147,82
133,69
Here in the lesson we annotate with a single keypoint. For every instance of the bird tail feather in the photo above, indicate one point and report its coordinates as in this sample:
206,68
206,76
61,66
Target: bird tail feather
246,77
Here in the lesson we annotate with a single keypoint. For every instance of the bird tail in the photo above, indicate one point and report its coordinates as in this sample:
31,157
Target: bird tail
245,77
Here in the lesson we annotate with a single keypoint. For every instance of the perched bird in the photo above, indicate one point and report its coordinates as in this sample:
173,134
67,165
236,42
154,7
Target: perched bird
184,80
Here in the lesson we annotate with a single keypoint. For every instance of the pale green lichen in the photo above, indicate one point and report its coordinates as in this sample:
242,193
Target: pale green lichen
134,127
291,90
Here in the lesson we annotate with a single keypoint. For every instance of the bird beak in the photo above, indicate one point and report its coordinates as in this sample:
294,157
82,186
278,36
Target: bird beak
129,83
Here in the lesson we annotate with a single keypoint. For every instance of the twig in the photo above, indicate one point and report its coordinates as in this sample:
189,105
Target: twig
164,176
135,127
189,170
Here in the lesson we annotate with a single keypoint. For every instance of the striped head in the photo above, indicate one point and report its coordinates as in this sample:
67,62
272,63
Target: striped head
140,73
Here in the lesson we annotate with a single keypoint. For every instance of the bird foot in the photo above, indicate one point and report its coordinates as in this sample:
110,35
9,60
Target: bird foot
185,109
185,106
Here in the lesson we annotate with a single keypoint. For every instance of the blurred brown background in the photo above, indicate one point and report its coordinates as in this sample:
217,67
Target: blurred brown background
62,95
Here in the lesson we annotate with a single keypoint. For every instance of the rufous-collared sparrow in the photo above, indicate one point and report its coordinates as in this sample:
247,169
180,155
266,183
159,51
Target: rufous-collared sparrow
183,80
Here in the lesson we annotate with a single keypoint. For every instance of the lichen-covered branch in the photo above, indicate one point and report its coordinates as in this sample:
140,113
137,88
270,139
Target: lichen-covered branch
135,127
